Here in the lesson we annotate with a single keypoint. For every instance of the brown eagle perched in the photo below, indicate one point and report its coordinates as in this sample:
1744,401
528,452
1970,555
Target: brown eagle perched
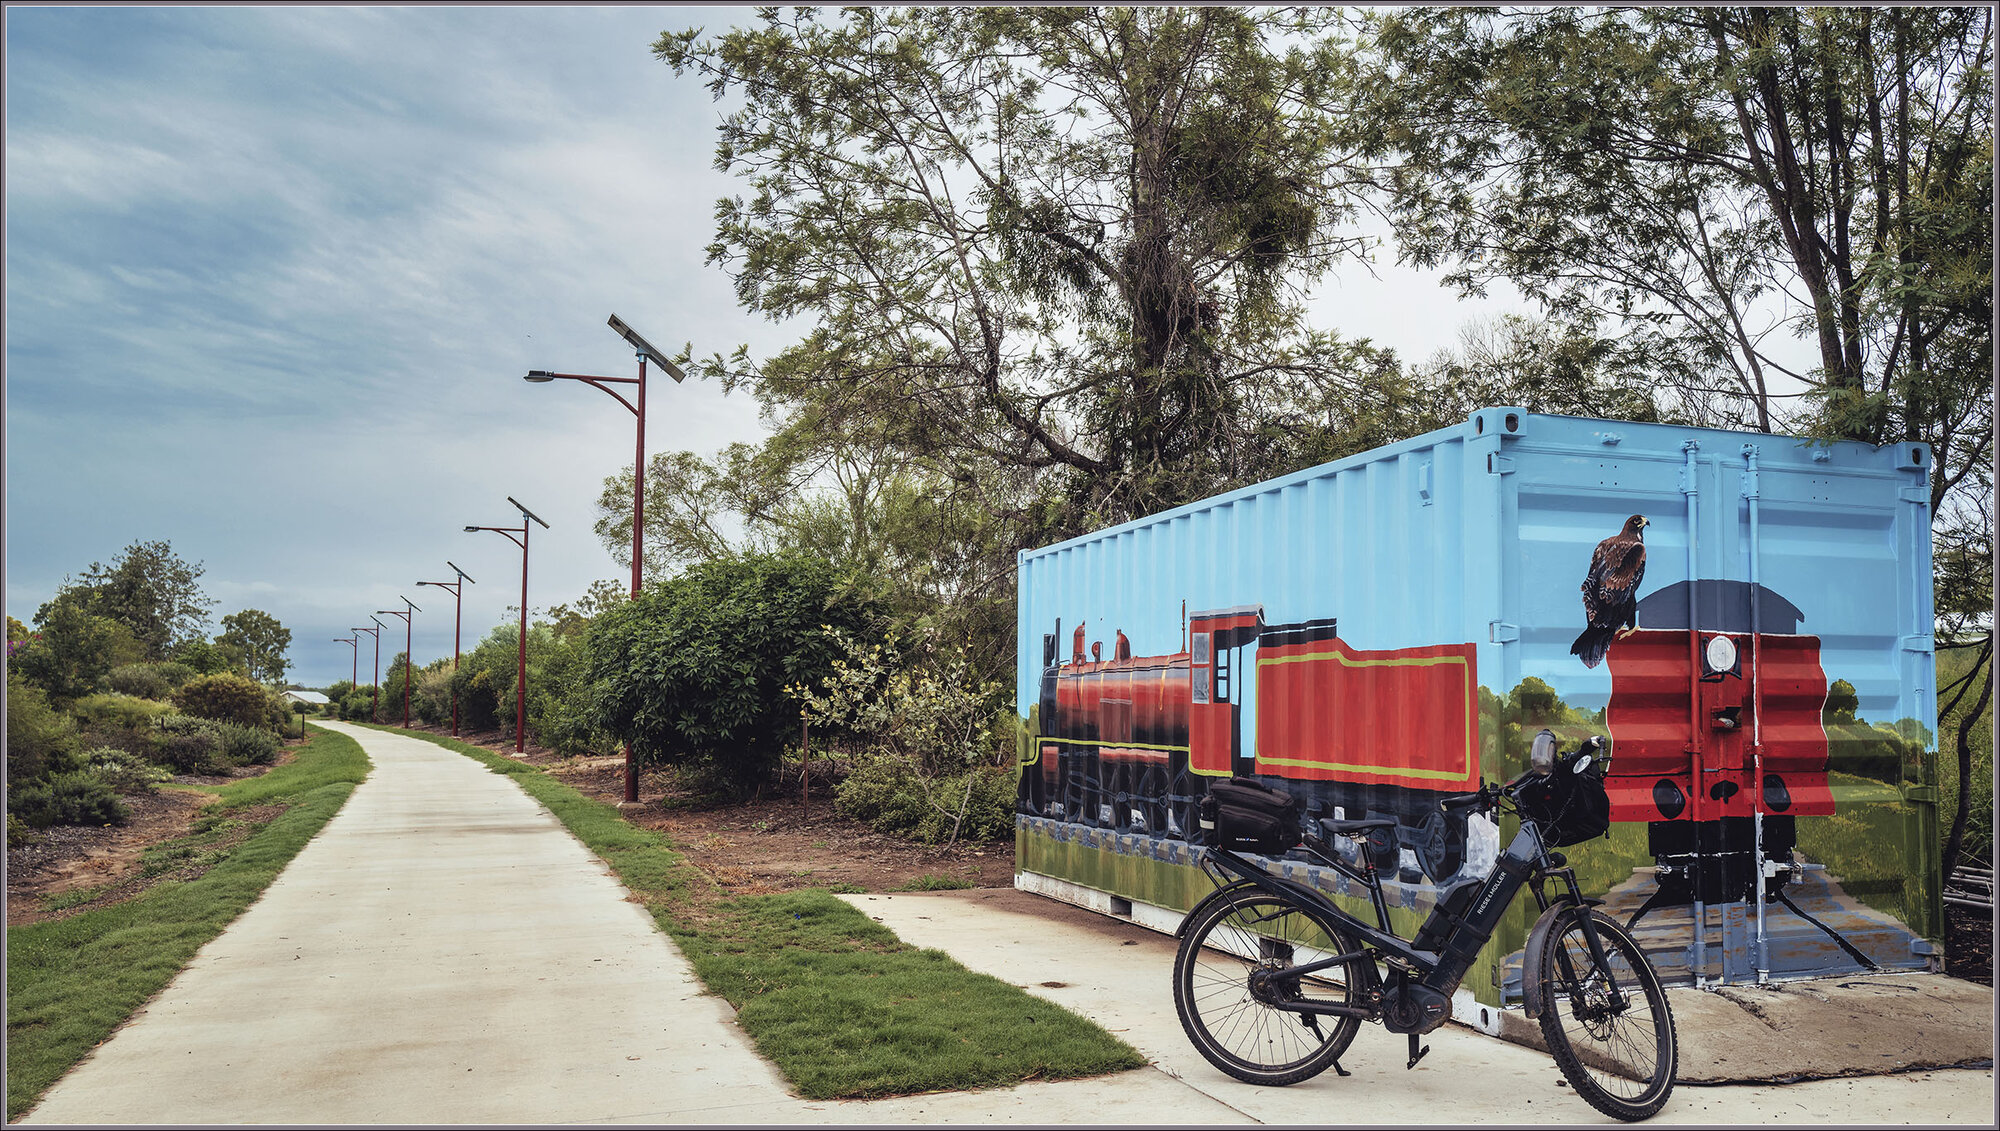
1611,590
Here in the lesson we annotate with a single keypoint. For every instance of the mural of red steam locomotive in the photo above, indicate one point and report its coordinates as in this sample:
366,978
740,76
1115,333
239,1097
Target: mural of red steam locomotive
1712,727
1128,742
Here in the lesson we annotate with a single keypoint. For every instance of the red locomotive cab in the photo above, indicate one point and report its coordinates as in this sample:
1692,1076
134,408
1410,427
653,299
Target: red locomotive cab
1215,645
1694,715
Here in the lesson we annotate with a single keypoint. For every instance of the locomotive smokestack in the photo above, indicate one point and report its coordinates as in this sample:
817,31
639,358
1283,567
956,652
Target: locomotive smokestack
1078,656
1123,650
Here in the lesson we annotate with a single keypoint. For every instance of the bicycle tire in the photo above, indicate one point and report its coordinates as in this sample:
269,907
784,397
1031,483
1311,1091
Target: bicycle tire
1621,1061
1252,1040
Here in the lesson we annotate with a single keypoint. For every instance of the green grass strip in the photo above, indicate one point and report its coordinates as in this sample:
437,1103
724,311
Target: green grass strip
843,1007
71,982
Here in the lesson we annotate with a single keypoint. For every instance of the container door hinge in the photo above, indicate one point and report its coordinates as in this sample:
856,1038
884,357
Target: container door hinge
1920,495
1499,465
1500,632
1924,643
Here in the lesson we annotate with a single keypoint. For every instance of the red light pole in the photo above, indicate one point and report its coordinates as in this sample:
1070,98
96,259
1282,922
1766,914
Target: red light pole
374,689
457,617
355,643
644,351
409,622
521,665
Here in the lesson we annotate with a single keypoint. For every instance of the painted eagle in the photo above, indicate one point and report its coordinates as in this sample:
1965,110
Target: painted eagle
1611,590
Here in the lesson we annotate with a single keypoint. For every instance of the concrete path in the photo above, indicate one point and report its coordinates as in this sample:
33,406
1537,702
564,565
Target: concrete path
444,952
1119,975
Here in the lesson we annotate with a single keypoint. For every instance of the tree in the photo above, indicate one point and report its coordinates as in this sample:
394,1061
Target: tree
73,650
1710,176
206,657
1045,251
260,641
695,671
152,592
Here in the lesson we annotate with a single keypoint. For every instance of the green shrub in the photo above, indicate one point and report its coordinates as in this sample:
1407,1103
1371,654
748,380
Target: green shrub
432,702
71,797
355,707
142,681
226,696
124,771
246,746
124,712
891,796
40,739
702,667
189,745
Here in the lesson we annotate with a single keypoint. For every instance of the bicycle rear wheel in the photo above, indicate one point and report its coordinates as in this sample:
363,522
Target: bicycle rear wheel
1250,1035
1607,1024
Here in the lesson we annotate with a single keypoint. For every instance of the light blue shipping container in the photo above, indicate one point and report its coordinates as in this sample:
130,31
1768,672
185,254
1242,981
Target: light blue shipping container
1379,630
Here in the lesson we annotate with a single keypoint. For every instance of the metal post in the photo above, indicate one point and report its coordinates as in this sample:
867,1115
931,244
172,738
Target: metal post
521,660
1750,492
1691,487
521,667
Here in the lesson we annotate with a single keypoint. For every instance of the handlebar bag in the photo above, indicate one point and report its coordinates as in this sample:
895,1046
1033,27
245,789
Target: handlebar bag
1570,807
1248,816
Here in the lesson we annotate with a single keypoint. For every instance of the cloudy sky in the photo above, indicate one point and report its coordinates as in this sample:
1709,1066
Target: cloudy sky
274,274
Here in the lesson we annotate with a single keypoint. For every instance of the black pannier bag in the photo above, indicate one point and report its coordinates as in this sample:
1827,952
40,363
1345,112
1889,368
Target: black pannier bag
1249,817
1570,807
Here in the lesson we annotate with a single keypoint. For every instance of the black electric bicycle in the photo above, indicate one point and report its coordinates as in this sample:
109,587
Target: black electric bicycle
1272,979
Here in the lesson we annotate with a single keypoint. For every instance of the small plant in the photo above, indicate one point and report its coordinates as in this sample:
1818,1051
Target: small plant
75,897
20,833
935,883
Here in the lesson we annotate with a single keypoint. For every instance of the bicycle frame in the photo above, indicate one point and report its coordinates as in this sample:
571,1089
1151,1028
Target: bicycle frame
1527,861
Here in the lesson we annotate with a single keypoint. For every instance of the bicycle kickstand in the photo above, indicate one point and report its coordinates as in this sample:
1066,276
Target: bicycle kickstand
1416,1054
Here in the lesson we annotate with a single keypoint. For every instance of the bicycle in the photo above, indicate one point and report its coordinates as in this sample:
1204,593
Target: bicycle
1272,980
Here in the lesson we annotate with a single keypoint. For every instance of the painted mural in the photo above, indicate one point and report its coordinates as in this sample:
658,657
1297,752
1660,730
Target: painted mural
1746,618
1710,729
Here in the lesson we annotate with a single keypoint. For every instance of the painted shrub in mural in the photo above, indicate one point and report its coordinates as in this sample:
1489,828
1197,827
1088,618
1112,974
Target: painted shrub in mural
1376,633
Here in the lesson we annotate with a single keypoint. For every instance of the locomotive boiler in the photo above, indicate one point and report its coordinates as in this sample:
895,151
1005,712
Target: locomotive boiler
1128,743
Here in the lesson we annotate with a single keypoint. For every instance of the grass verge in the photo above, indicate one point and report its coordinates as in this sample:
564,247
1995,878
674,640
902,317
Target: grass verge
72,981
843,1007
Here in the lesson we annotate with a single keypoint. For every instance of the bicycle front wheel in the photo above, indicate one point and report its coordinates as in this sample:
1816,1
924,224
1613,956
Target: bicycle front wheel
1607,1023
1248,1032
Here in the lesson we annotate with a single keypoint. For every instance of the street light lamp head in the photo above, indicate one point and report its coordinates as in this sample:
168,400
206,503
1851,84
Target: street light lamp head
539,376
645,348
472,530
527,512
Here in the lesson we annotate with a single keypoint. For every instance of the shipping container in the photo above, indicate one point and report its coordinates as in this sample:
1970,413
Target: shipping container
1374,633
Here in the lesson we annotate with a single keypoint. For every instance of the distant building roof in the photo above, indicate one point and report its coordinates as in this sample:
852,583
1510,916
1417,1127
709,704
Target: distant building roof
313,697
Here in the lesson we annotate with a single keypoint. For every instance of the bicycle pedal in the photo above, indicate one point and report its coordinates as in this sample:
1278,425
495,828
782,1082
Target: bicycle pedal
1416,1053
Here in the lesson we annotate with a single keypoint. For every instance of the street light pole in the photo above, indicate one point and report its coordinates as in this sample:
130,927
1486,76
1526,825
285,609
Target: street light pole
375,688
457,618
521,664
644,350
409,623
355,643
